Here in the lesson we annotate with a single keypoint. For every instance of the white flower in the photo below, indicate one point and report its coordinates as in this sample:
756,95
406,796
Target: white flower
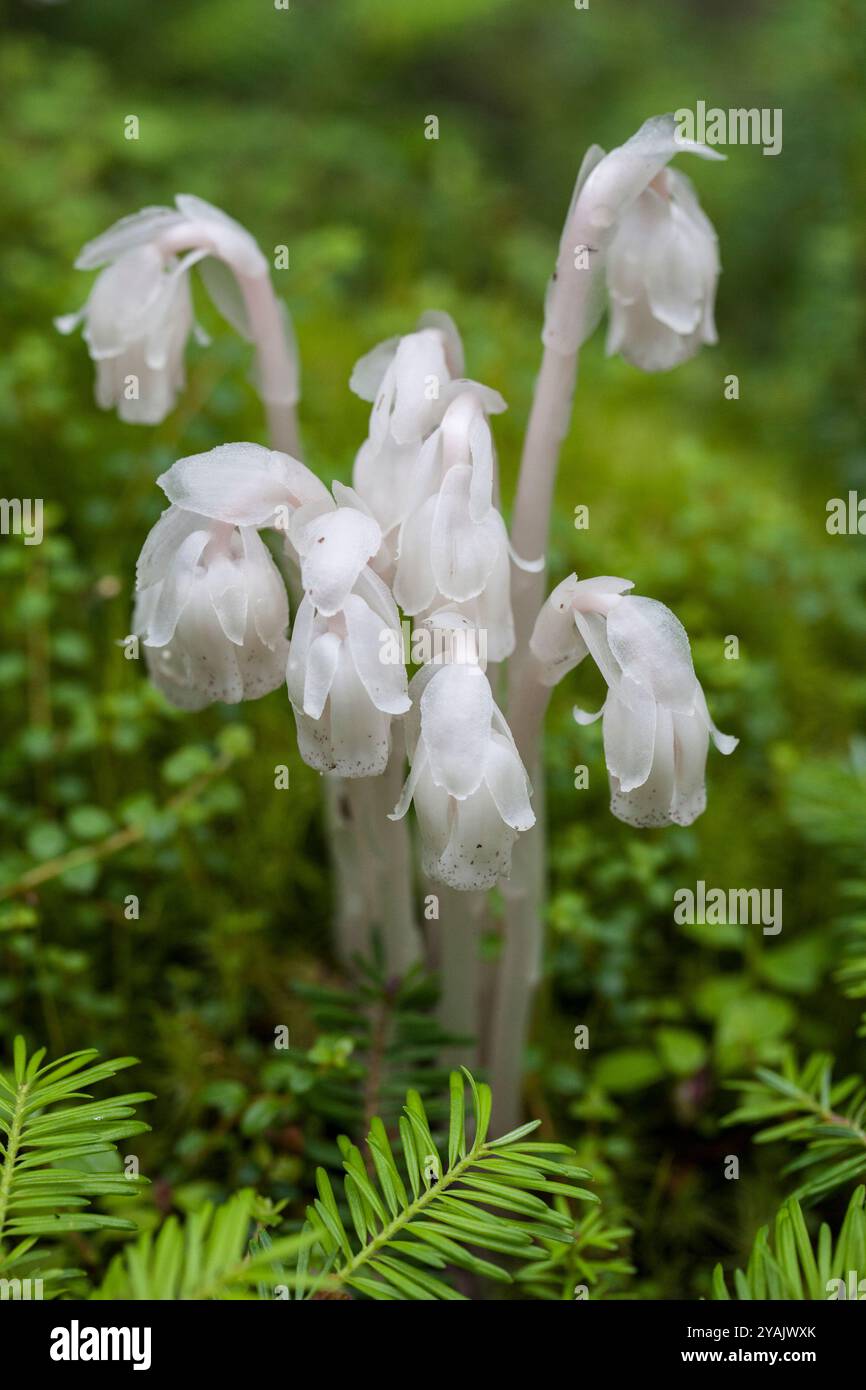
411,380
453,545
643,229
137,322
662,269
343,693
211,610
470,789
139,315
656,723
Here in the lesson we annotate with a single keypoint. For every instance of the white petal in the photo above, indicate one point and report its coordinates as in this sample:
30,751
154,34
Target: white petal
508,784
481,487
336,547
478,852
305,629
629,739
456,714
419,766
322,659
225,581
384,682
691,742
650,804
652,648
726,743
377,594
360,733
126,234
555,642
462,551
177,589
241,483
593,629
369,370
438,319
414,581
269,606
163,542
225,293
420,372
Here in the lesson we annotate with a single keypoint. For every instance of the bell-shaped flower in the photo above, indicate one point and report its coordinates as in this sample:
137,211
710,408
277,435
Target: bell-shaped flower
662,270
344,682
211,611
656,723
138,316
136,324
453,547
469,786
641,229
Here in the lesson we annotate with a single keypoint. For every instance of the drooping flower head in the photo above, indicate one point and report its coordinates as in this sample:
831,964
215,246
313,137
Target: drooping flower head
467,781
138,316
344,693
637,226
211,606
211,611
656,723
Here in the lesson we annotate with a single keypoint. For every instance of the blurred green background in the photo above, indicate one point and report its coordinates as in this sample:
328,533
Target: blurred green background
308,126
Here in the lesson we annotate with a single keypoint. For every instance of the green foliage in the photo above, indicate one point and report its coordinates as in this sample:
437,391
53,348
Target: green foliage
59,1150
714,506
785,1264
208,1256
403,1223
590,1266
376,1038
805,1105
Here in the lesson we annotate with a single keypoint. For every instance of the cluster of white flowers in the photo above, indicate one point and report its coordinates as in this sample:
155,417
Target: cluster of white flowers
420,530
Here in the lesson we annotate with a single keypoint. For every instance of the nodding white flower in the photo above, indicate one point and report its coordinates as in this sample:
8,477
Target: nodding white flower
657,726
662,269
211,610
411,380
138,316
639,225
136,324
470,789
453,547
343,693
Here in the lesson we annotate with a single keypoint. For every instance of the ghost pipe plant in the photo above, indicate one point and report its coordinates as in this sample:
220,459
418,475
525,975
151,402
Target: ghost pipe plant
421,534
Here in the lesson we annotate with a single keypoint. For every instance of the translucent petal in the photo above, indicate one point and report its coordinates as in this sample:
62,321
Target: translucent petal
463,552
652,648
384,682
508,784
456,714
629,740
241,483
321,667
335,548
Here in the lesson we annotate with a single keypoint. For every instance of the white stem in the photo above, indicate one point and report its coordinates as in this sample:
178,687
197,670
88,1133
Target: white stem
276,365
382,868
456,942
519,967
518,972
